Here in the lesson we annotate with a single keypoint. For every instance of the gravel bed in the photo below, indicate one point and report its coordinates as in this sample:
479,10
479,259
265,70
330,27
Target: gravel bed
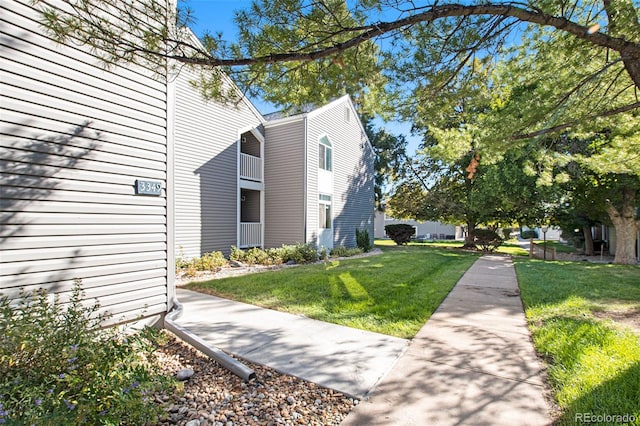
216,397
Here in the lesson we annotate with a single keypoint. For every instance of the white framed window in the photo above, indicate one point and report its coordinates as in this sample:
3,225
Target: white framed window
324,154
324,211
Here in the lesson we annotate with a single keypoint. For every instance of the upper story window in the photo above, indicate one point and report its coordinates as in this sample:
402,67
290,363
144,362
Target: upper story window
324,153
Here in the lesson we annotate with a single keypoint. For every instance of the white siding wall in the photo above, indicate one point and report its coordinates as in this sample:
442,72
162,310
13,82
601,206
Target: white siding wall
73,140
284,183
206,169
353,173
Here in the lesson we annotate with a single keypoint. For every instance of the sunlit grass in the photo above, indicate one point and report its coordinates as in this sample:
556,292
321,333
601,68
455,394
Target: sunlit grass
594,360
393,293
509,248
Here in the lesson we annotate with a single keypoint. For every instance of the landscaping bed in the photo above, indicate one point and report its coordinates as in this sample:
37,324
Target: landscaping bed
214,396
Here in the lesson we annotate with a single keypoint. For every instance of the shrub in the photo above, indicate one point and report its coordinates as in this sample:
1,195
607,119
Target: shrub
487,239
237,254
342,251
58,366
400,233
363,240
506,233
256,256
530,233
211,261
299,253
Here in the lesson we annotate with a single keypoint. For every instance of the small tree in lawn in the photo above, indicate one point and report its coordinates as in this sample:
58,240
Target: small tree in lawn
400,233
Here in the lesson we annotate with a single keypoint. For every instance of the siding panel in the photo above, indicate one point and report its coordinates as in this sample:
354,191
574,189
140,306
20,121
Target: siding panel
284,183
74,137
207,135
353,172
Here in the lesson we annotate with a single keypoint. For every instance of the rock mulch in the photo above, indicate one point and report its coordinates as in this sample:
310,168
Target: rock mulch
213,396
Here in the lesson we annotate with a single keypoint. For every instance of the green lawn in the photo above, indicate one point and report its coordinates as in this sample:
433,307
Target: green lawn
577,315
509,248
393,293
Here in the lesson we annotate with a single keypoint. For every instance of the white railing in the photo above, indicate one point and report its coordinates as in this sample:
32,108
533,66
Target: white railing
250,167
250,234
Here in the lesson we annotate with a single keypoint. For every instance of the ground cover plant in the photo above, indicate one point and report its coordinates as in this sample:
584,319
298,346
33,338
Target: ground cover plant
585,321
394,292
59,367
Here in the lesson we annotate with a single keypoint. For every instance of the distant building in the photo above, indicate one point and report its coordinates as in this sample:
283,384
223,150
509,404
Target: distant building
426,230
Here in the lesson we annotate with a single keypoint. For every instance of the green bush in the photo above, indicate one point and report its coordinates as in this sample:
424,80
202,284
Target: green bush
363,240
530,233
237,254
487,239
342,251
58,366
208,262
299,253
506,233
211,261
400,233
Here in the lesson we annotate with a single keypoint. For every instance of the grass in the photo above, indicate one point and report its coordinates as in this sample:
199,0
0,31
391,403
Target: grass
573,310
506,248
393,293
560,247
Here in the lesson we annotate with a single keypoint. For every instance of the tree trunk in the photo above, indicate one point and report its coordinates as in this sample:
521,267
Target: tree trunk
626,227
470,239
588,240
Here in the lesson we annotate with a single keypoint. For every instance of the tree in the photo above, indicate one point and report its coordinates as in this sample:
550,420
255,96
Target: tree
501,193
343,40
390,155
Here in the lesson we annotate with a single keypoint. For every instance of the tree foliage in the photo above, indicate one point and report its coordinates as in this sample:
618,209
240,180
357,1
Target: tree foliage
293,50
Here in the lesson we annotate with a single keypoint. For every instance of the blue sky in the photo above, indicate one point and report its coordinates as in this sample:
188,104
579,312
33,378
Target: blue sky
217,16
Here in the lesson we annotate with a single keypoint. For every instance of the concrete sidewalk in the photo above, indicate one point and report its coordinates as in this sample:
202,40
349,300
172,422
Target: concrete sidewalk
345,359
472,363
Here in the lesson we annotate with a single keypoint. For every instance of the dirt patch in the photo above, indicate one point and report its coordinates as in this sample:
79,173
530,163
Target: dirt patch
626,315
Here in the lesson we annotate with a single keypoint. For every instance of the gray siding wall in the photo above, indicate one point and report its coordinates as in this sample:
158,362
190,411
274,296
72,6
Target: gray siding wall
207,135
284,183
73,140
353,173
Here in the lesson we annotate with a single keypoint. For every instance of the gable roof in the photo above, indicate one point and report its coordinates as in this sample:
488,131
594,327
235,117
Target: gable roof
277,118
190,35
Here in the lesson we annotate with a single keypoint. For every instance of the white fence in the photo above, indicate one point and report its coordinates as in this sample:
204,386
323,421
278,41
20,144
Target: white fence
250,167
250,234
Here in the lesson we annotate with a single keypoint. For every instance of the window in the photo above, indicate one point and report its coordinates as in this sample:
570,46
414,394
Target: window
324,212
324,153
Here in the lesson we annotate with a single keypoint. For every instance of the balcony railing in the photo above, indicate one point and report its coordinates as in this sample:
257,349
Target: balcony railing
250,167
250,234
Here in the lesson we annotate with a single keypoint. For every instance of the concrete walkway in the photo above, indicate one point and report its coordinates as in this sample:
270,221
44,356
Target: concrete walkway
345,359
472,363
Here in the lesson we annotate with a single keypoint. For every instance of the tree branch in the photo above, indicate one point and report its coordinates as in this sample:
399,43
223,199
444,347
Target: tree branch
368,32
559,127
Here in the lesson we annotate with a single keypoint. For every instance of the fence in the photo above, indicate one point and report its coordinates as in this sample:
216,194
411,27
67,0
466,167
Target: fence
541,251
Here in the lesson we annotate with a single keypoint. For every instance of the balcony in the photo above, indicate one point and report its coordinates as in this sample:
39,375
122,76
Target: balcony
250,167
250,234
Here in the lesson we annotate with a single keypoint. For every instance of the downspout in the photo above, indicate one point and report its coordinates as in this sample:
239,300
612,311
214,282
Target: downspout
231,364
175,308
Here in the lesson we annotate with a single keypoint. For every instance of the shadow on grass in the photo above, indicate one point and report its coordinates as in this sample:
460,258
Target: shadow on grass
594,367
622,396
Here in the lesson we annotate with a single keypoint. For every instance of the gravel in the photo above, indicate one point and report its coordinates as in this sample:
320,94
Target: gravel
215,397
